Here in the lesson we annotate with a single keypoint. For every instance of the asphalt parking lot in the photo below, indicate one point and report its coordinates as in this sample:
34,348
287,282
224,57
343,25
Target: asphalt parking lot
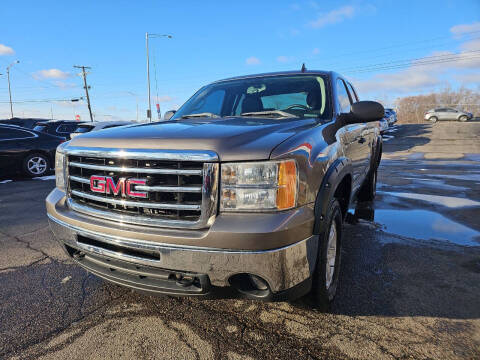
410,285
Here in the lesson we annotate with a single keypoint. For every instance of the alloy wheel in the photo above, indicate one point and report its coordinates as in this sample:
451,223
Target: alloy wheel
331,255
37,165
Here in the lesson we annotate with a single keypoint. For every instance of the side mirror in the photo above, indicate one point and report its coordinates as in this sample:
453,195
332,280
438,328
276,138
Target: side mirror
169,114
365,111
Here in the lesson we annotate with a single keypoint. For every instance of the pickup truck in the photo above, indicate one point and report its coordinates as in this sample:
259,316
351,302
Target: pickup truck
242,192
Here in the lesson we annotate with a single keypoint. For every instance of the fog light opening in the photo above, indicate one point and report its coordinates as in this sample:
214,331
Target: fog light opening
251,285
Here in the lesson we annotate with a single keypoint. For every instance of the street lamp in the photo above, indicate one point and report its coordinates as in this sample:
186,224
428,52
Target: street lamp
9,89
147,36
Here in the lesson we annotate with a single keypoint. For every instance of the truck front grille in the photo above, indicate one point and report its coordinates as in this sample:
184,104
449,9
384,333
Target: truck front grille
174,194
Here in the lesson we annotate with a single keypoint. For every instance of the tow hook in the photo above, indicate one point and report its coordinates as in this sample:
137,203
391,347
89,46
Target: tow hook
78,255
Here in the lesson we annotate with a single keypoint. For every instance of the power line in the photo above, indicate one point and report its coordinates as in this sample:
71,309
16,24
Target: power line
415,60
41,101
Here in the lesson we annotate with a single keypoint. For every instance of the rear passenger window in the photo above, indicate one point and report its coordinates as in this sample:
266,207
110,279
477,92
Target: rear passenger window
342,97
14,134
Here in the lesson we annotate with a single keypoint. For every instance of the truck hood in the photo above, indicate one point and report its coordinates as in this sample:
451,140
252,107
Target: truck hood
233,139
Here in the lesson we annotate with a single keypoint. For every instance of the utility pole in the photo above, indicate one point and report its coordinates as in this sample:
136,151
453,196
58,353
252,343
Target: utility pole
86,87
149,111
147,36
9,89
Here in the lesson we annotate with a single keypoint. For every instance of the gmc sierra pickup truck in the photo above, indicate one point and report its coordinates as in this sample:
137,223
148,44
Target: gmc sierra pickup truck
242,191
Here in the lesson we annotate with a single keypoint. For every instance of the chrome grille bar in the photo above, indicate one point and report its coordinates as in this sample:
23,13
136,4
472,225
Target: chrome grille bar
151,205
146,154
137,170
185,189
79,179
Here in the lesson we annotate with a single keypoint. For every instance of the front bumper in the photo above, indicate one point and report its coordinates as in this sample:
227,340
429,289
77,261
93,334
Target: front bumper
150,259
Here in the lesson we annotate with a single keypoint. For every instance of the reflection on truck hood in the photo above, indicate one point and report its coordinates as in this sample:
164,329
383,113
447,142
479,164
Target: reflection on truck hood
233,139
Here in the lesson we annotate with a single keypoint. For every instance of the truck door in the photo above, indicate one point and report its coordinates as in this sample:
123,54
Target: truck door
356,137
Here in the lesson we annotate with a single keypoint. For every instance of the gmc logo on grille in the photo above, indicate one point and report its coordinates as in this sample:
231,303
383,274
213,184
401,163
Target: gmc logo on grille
124,186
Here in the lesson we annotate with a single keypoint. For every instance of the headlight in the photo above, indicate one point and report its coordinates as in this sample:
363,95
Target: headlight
59,170
269,185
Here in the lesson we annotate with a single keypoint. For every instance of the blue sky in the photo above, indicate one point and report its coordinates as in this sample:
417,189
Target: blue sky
216,39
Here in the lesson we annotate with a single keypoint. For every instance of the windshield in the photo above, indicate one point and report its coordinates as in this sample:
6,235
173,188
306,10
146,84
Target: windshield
303,96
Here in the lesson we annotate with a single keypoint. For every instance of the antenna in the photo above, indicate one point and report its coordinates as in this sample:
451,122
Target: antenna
303,68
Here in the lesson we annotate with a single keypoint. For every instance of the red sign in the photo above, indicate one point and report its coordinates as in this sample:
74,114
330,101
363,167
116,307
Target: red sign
77,117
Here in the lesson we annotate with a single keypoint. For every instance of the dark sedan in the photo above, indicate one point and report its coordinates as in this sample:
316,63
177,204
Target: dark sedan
28,123
26,150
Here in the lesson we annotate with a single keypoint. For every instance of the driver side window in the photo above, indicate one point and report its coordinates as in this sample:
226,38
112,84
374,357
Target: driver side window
344,105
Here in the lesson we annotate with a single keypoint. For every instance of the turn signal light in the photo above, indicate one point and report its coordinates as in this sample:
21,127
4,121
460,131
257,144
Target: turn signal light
287,185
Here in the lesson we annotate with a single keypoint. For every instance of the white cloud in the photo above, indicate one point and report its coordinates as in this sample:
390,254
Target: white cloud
252,60
285,59
333,16
472,45
465,28
404,81
424,76
6,50
51,74
472,78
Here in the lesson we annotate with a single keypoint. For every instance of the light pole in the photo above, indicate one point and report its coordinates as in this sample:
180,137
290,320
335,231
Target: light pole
9,89
147,36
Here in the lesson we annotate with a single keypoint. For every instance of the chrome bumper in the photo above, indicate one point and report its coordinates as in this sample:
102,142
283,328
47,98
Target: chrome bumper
282,268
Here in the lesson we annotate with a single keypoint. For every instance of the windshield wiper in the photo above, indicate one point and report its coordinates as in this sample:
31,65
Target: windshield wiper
205,114
269,113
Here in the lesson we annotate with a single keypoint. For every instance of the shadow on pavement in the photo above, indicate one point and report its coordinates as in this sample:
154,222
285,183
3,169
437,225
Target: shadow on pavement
407,137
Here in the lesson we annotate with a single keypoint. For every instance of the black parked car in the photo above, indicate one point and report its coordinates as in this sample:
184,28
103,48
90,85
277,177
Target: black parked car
26,150
28,123
62,128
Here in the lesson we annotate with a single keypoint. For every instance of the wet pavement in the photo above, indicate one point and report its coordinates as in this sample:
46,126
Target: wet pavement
409,287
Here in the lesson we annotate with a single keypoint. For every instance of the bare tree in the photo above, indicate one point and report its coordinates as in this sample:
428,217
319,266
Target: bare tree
411,109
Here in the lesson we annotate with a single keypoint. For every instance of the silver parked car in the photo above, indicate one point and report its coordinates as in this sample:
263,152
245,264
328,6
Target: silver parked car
448,114
98,125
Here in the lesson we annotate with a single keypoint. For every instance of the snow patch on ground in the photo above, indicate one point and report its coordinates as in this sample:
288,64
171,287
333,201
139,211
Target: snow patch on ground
48,177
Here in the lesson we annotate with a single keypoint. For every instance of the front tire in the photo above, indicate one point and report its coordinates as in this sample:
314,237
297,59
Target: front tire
36,165
327,271
462,118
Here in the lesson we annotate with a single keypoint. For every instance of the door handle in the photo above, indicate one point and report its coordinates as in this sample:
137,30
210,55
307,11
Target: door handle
362,140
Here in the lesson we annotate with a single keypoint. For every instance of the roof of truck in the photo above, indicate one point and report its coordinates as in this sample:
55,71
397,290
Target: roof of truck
294,72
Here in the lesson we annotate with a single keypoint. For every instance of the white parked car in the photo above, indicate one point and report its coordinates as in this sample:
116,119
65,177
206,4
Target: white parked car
451,114
98,125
